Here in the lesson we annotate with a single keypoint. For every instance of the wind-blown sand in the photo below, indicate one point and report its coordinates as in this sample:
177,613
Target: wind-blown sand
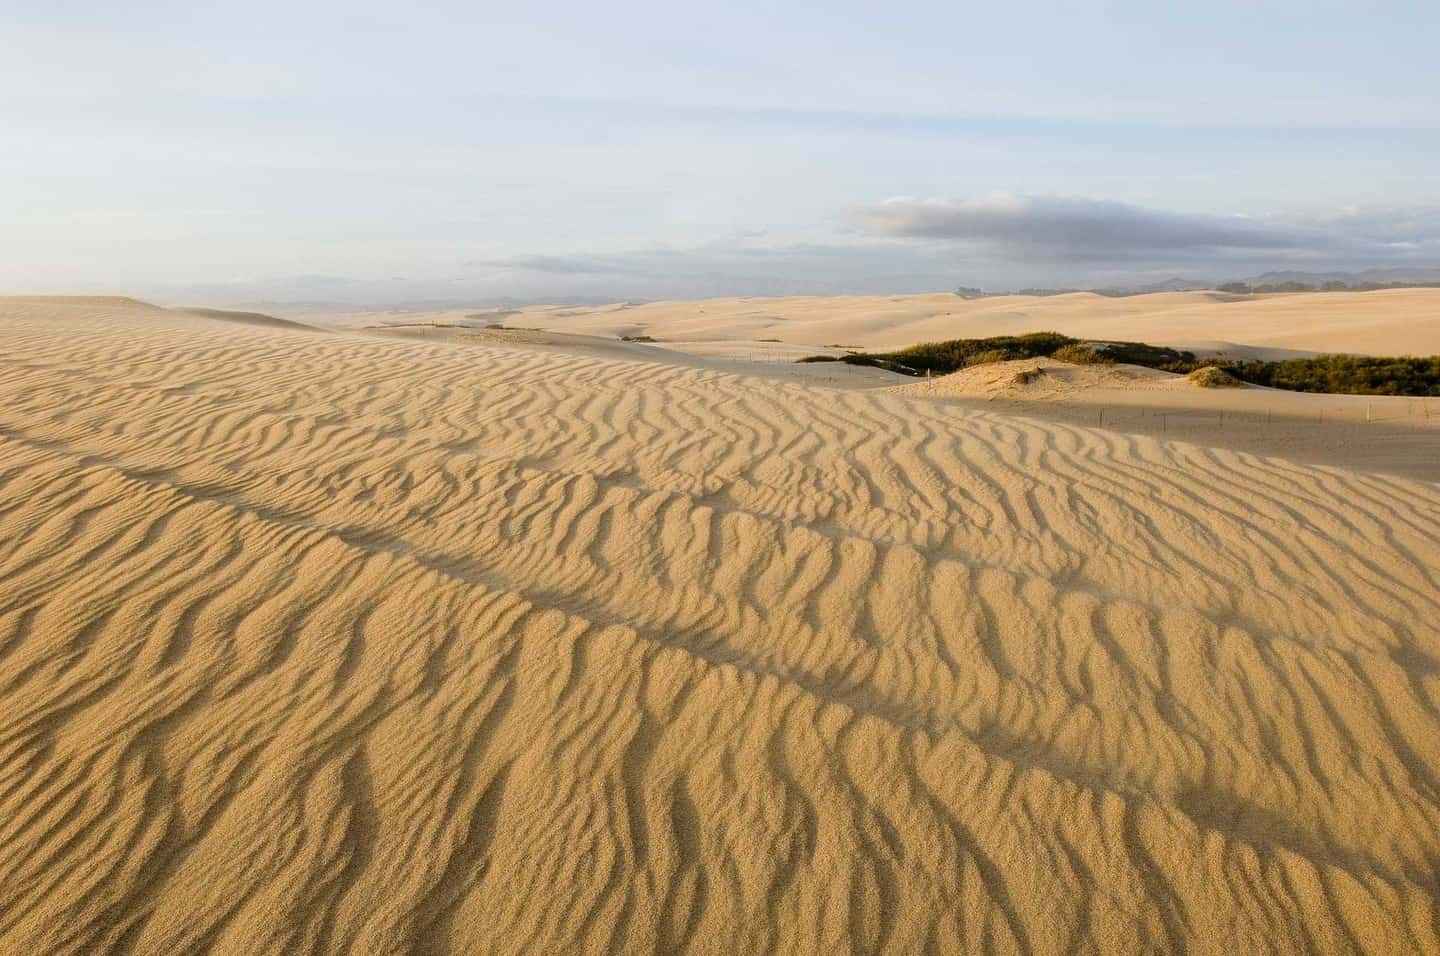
352,643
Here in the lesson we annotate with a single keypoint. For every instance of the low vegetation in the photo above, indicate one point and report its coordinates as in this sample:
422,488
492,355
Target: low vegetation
1347,374
939,358
1333,285
637,338
1079,354
1213,376
1342,374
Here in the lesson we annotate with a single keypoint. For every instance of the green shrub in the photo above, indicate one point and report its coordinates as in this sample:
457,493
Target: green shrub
1347,374
1342,374
1150,356
991,356
1213,376
1081,355
943,357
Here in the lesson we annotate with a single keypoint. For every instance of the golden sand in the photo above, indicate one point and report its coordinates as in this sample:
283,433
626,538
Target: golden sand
341,643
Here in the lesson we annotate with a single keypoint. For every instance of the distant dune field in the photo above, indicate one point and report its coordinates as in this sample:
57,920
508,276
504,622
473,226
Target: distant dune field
1391,321
393,644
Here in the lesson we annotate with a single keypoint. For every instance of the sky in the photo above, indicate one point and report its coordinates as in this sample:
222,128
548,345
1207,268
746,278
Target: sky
654,150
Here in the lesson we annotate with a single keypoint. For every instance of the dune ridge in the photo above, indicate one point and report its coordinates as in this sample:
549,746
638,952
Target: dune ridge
340,643
1384,322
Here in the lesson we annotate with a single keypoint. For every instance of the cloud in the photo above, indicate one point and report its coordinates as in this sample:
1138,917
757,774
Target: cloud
1082,230
1393,226
737,266
996,242
1000,241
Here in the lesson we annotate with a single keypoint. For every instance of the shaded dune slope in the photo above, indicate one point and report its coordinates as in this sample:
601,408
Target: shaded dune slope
344,644
249,318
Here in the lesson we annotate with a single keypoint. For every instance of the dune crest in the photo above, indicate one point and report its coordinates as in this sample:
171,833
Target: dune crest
1383,322
345,643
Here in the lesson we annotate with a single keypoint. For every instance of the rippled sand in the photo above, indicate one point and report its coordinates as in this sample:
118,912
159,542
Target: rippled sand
325,642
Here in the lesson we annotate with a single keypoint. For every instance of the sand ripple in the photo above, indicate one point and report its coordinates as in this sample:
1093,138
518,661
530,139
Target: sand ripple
338,643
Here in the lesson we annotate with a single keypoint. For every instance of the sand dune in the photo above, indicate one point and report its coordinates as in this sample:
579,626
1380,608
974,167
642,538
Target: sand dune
1044,378
348,643
1381,323
249,318
1395,435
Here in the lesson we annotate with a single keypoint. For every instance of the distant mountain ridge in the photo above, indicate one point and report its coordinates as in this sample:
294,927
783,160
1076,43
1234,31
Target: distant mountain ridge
1382,276
1274,281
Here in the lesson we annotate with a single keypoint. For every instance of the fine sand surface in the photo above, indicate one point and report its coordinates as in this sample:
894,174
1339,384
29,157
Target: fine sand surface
378,643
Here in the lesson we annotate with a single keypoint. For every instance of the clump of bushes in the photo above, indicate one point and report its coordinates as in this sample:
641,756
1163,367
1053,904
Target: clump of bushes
1081,354
1347,374
943,357
1213,376
1343,374
988,357
940,358
637,338
1150,356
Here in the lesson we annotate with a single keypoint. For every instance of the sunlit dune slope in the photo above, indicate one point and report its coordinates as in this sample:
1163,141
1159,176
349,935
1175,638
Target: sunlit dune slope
1391,321
340,643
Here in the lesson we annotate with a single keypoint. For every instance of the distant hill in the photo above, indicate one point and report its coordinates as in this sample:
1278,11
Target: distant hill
1174,285
1378,276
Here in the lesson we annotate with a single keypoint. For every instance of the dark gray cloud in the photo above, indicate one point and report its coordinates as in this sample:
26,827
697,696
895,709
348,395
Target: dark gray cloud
1004,241
1090,230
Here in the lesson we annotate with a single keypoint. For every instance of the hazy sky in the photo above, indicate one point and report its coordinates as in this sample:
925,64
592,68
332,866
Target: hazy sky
677,149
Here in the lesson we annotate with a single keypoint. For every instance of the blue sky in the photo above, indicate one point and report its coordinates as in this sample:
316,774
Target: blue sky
650,150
